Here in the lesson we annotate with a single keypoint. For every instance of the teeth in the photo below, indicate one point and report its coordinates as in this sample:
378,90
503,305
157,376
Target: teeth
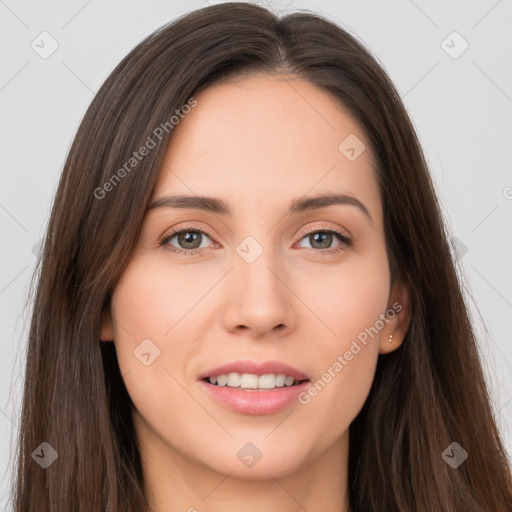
251,381
289,381
245,381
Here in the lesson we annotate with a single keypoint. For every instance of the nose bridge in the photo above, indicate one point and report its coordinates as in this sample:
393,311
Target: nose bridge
257,295
256,265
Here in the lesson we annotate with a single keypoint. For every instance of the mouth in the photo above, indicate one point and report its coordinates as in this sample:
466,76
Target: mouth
251,394
254,387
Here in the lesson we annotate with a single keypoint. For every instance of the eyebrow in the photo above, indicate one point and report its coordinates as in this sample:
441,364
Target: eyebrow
215,205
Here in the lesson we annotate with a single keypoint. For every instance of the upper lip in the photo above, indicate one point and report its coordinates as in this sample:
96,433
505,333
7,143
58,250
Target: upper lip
255,367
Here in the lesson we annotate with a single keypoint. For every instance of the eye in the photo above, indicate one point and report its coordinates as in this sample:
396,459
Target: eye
189,240
322,238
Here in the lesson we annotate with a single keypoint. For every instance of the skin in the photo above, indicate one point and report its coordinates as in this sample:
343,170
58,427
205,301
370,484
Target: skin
257,143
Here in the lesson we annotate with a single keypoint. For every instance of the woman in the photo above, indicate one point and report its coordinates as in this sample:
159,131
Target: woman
246,296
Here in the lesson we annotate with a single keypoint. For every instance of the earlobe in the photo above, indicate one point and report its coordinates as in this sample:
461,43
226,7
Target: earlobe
107,327
399,318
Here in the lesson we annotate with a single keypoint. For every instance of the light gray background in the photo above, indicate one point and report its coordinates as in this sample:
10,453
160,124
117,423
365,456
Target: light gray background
461,107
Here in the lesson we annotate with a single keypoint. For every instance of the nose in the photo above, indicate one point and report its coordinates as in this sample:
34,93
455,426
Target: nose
258,298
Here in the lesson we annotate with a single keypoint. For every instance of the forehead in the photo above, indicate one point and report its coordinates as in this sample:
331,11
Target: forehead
264,140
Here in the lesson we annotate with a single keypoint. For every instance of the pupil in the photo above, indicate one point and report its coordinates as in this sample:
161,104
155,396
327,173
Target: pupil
185,238
324,237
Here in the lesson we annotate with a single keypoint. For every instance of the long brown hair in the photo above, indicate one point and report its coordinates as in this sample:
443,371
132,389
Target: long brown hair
427,394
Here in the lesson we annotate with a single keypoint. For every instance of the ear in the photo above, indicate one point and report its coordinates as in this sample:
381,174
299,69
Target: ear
107,326
399,318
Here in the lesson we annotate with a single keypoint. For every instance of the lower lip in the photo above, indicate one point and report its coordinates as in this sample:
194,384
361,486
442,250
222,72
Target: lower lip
252,401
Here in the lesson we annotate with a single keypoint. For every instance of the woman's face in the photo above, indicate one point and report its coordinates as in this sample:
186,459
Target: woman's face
305,286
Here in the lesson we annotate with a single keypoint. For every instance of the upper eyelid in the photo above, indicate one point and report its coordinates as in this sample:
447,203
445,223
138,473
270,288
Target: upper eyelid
175,232
313,229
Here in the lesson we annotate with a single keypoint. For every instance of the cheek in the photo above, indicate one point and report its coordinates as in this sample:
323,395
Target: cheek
151,300
350,306
348,298
150,308
147,308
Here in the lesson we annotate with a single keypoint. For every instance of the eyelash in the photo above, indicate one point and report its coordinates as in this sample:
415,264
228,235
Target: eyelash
345,240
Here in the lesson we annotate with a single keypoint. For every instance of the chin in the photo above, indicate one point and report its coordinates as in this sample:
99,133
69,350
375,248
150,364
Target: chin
259,459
